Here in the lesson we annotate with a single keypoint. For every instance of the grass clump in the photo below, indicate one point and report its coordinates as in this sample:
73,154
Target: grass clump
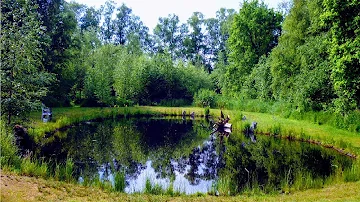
352,174
155,189
8,157
32,168
69,170
222,187
119,181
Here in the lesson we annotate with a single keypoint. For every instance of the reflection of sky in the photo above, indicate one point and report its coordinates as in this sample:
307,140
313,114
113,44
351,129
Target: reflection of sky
182,169
180,183
138,184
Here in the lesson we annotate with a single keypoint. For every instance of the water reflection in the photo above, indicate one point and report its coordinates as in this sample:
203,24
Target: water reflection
167,151
182,153
272,163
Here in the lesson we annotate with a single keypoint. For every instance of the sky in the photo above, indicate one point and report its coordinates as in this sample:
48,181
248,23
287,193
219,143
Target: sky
149,11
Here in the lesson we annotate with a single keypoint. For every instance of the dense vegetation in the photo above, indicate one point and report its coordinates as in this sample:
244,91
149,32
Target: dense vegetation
300,61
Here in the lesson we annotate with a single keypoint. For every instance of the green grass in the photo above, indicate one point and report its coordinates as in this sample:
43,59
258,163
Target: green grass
349,121
119,181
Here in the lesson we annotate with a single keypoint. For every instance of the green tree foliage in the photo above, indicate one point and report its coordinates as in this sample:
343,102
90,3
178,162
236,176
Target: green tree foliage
342,18
128,77
217,33
167,35
107,27
122,24
285,63
60,24
90,19
254,32
99,75
194,41
205,98
300,63
258,83
23,78
152,81
115,75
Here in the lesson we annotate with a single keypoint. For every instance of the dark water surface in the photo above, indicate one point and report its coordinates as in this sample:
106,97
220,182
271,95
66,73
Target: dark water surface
184,154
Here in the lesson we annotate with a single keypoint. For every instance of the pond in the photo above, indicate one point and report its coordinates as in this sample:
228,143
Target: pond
185,155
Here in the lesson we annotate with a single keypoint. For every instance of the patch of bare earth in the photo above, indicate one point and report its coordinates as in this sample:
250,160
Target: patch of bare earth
21,188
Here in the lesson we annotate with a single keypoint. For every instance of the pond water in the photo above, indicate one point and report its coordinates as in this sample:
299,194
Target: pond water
185,155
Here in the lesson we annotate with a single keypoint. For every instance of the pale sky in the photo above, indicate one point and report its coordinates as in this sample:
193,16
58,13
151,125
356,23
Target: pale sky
149,11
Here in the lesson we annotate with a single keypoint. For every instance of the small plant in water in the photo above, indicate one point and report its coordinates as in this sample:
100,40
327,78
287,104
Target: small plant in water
119,181
207,112
69,169
155,189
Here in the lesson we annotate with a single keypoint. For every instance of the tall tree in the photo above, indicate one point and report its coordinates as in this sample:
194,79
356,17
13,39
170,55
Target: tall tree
300,63
90,19
342,18
60,24
167,35
194,41
123,24
285,63
216,35
254,32
107,27
24,81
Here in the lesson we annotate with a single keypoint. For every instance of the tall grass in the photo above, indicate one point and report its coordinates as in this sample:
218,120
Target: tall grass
151,188
352,174
349,121
69,169
119,181
223,187
8,149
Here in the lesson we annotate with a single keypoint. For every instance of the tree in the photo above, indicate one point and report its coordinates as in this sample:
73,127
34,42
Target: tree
216,35
90,19
99,79
23,79
60,25
168,36
300,63
107,27
343,21
285,61
194,41
254,32
122,24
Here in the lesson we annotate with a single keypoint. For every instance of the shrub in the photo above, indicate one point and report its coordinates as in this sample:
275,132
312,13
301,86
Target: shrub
205,98
9,150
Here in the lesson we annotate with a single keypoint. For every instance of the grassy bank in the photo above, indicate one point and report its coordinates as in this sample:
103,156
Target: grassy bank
267,123
21,188
63,117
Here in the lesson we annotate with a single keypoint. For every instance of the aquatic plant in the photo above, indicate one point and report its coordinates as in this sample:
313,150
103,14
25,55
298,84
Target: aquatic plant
119,181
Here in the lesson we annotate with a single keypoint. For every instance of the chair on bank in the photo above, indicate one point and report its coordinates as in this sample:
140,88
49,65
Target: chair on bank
46,113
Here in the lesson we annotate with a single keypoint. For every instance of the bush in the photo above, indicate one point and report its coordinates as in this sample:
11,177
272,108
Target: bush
205,98
9,150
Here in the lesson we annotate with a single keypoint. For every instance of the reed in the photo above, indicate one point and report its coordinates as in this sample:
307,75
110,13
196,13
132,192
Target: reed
69,169
119,181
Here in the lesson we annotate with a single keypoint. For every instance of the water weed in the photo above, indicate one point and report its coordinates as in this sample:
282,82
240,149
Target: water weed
119,181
